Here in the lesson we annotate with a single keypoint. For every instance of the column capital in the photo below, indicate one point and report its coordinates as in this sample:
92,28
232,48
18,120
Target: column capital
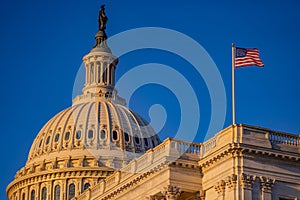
247,180
220,187
199,195
231,181
171,192
266,183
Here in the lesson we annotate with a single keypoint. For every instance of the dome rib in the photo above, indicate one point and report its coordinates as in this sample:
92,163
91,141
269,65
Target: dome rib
81,106
88,125
120,124
56,126
66,125
108,126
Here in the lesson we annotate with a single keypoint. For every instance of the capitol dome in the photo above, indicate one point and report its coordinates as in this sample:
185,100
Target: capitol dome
89,140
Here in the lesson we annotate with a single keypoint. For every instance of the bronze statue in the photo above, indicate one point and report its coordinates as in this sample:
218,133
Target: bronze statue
102,19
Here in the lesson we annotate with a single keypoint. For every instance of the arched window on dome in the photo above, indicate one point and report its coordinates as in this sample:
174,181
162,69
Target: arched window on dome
44,193
41,142
71,193
48,140
32,195
86,186
67,136
23,196
78,134
137,140
102,134
57,192
115,135
56,138
90,134
126,137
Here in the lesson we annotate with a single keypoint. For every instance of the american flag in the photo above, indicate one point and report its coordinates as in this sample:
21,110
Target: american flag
247,57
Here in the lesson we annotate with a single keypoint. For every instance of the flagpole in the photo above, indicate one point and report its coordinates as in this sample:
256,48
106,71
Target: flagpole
233,84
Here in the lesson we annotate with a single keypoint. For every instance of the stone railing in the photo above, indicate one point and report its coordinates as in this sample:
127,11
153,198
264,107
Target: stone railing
208,145
284,138
186,147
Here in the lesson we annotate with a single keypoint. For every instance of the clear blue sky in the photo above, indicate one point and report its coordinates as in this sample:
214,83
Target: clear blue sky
42,44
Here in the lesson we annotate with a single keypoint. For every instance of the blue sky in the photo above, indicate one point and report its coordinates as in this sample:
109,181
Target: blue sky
43,42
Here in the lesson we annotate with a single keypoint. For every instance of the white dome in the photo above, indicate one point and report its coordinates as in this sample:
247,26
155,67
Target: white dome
89,127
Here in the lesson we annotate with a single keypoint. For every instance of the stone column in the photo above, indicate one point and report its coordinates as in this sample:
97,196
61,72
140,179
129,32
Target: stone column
246,181
113,75
266,185
87,82
220,189
171,192
101,72
27,191
91,74
108,74
38,191
50,190
64,190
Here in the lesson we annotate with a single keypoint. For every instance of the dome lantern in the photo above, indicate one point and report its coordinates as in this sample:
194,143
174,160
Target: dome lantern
100,64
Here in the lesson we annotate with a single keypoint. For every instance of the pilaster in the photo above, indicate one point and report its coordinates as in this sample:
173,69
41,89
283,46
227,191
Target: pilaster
220,189
266,185
246,182
231,186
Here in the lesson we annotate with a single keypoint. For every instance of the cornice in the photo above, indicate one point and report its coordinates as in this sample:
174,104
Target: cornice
58,174
240,149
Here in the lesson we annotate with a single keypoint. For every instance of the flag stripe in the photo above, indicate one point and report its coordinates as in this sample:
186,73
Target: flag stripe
247,57
248,60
